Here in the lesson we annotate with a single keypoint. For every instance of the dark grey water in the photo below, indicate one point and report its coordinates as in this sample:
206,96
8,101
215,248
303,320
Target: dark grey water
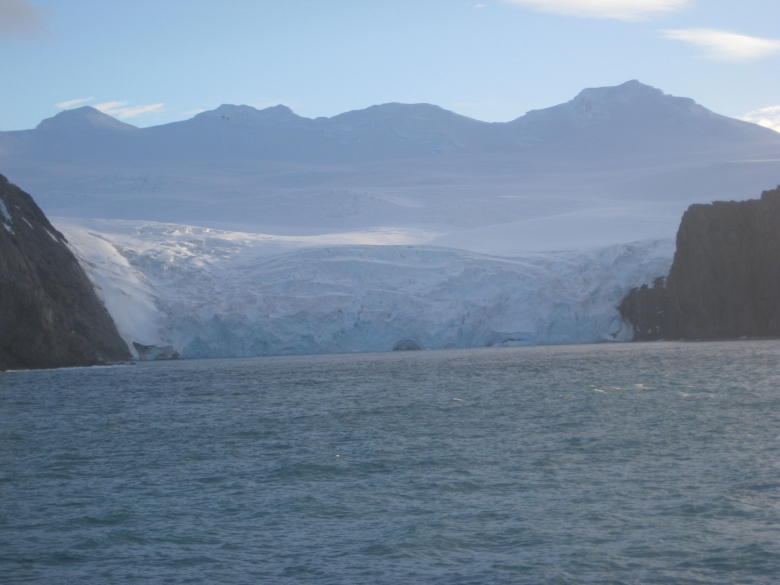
652,463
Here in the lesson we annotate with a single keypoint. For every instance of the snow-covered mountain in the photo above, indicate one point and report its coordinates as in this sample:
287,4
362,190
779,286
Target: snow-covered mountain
629,158
245,232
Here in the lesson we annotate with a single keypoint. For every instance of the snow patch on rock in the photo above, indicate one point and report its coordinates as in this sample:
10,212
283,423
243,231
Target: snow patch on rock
7,220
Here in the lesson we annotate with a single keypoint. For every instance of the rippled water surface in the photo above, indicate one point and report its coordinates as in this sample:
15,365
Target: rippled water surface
633,463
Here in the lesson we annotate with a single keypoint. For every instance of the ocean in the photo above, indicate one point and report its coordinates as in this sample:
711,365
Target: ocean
608,463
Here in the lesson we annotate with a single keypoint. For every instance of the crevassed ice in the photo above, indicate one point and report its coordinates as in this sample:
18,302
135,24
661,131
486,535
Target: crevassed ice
209,293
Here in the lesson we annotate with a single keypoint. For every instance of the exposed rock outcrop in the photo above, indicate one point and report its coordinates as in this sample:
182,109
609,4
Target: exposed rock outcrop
645,308
725,279
50,315
155,352
407,345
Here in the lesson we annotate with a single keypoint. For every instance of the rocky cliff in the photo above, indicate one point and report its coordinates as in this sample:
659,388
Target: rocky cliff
50,315
725,279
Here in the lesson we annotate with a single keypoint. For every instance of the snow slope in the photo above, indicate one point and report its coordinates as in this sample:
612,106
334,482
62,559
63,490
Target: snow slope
211,293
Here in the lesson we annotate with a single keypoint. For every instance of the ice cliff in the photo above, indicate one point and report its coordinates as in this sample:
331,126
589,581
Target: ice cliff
210,293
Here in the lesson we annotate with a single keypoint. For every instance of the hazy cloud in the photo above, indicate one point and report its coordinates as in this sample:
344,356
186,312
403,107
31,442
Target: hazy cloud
725,46
767,117
20,20
71,103
134,111
122,110
618,9
110,108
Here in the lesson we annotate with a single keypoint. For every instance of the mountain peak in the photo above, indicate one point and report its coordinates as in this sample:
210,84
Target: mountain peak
631,95
244,115
84,117
630,90
395,113
625,106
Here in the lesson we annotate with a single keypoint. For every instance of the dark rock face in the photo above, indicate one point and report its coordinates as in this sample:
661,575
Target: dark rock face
50,316
725,279
645,308
155,352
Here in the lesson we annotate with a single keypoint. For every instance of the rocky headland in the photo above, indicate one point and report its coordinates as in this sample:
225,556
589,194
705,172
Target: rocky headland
724,282
50,314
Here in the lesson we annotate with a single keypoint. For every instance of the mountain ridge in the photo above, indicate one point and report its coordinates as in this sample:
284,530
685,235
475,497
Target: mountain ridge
83,116
590,105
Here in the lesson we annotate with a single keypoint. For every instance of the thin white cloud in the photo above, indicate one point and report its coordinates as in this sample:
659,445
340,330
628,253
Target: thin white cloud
725,46
20,20
122,110
617,9
110,108
72,103
767,117
140,110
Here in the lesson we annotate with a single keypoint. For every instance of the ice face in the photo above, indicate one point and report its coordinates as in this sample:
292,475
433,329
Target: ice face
210,293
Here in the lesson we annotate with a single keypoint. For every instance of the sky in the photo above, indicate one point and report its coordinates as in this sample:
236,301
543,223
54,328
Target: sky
154,62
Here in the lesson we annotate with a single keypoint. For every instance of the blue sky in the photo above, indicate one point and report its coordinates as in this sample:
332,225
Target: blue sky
155,62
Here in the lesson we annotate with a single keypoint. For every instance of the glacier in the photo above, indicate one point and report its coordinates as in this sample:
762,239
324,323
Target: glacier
211,293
